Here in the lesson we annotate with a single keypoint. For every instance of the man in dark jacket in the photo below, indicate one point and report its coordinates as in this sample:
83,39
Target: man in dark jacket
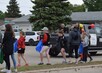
74,42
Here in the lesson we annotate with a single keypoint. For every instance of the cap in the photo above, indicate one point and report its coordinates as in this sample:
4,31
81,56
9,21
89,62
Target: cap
45,28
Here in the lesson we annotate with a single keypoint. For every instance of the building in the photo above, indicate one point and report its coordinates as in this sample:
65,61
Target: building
4,22
22,23
82,17
87,17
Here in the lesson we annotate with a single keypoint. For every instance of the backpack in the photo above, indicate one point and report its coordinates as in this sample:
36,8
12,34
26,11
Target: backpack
15,45
75,35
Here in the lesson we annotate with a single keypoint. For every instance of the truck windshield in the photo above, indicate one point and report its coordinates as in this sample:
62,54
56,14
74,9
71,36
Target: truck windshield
98,29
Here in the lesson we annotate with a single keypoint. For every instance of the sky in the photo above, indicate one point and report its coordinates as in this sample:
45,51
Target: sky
26,5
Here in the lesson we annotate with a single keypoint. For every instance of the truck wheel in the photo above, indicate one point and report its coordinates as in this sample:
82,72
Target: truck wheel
53,52
93,53
31,42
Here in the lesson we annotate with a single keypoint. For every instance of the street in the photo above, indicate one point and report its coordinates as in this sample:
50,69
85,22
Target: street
33,57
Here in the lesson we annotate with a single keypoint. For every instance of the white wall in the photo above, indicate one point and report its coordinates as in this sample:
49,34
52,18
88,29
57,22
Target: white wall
23,26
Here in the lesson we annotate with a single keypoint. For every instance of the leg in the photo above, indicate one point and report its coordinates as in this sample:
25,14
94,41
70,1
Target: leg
19,59
22,55
41,53
7,60
47,55
70,53
85,54
14,60
76,53
90,57
63,54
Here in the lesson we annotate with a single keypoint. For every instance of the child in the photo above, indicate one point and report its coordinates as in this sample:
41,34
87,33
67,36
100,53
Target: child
63,42
21,49
85,42
46,46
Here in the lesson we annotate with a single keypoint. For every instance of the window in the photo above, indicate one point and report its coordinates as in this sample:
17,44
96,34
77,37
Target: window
92,30
98,29
30,33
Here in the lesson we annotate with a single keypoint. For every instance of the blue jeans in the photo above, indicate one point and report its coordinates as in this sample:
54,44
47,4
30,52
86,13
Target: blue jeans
14,61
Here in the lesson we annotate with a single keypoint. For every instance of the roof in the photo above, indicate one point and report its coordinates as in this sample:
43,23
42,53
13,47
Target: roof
76,16
22,19
87,16
9,19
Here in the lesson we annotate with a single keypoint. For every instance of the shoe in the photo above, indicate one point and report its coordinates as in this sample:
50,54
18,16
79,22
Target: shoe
70,62
26,64
91,60
8,71
18,65
15,70
41,64
76,62
4,70
64,62
48,64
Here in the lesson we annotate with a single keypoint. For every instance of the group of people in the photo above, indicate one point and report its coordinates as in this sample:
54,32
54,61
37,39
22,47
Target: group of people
7,47
76,37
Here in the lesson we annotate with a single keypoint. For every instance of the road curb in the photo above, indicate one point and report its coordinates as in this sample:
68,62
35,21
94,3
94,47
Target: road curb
60,69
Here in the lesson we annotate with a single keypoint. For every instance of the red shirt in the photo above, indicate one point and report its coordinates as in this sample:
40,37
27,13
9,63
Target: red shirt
45,37
21,42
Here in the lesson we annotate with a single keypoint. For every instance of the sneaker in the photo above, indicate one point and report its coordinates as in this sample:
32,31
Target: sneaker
48,64
15,70
26,65
70,62
76,62
64,62
18,65
41,64
4,70
8,71
91,60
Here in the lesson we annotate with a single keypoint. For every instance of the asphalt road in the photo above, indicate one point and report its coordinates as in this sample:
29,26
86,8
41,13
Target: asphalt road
32,57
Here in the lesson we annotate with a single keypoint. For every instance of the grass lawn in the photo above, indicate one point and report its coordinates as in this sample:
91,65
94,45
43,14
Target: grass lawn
37,67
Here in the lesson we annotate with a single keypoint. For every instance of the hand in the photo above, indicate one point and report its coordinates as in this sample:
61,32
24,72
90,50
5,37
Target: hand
19,49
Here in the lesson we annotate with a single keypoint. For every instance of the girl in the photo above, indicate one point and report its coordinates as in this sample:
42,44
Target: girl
8,41
21,49
63,42
85,42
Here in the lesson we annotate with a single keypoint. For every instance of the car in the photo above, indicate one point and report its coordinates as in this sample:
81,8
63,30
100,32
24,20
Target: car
32,38
95,43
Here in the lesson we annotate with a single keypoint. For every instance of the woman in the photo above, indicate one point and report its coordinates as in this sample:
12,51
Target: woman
74,42
8,41
63,45
45,39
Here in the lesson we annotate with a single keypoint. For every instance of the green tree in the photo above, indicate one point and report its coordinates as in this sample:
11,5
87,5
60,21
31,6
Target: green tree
13,10
78,8
50,13
2,15
93,5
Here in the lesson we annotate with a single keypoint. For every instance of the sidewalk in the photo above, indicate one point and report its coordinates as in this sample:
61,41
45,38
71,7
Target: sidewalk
79,69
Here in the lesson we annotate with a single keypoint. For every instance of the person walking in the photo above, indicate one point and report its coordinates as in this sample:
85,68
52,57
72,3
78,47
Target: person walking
7,44
63,45
74,42
21,49
85,42
14,62
46,46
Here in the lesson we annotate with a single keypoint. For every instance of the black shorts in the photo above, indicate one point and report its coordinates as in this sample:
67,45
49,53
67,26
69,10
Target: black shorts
21,51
